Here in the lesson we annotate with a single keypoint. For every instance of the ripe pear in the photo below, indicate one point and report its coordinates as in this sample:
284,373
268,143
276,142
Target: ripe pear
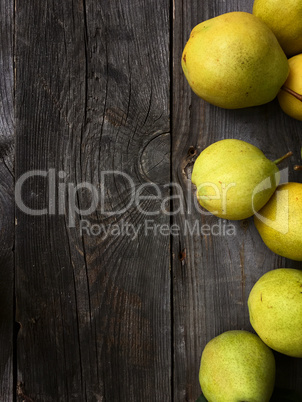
234,179
237,366
285,20
279,222
275,309
234,61
290,96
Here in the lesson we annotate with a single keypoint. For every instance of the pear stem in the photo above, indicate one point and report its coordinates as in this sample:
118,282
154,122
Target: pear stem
277,161
298,167
290,91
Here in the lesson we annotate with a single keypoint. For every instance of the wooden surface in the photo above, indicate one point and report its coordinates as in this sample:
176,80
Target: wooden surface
7,224
89,87
92,96
211,286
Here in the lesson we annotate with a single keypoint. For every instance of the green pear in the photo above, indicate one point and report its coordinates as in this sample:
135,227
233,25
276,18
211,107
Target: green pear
237,366
279,222
290,96
275,308
234,179
285,20
234,61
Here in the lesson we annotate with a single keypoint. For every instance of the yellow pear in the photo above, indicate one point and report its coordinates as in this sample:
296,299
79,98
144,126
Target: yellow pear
234,61
285,19
279,222
275,309
234,179
237,366
290,96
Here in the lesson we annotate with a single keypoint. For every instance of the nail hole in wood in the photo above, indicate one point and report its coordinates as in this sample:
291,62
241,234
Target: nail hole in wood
191,151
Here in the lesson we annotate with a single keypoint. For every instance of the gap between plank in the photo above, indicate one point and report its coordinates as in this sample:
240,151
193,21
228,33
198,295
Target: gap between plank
171,27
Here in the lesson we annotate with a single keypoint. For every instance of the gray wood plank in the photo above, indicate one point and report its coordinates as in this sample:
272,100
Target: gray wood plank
92,95
7,139
214,273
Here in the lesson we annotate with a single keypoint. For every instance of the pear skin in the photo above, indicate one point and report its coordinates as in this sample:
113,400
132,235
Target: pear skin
275,309
285,20
234,179
290,96
279,222
234,61
237,366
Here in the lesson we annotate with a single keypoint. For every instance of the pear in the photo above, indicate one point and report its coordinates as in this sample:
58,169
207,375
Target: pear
234,179
234,61
285,20
290,96
237,366
279,222
275,309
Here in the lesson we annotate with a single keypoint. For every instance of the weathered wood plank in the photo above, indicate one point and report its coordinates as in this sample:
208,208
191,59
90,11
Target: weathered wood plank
6,200
214,273
92,95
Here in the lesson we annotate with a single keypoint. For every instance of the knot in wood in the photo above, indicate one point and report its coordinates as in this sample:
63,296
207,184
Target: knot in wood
155,159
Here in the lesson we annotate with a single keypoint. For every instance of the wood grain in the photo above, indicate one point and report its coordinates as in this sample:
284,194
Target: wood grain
7,139
107,313
92,95
212,283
